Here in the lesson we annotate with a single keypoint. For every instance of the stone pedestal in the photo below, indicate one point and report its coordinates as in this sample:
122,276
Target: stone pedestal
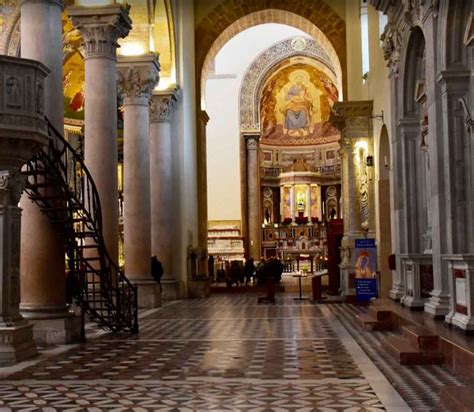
253,197
149,294
162,103
461,276
411,275
100,28
137,76
23,131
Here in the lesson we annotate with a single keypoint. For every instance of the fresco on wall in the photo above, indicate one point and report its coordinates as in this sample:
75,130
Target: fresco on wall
295,105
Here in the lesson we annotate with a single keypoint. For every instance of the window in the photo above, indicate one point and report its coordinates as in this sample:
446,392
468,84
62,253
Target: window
364,30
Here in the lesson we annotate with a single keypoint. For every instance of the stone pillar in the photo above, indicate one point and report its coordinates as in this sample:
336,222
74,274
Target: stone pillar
162,103
137,76
23,131
42,248
100,28
253,196
202,195
353,119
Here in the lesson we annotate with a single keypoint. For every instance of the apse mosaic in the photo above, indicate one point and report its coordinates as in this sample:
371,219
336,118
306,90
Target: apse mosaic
295,105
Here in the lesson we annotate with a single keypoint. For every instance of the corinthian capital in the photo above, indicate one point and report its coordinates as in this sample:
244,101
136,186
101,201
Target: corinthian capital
12,184
162,103
100,28
137,77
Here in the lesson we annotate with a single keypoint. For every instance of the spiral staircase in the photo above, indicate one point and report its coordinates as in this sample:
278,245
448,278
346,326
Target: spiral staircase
60,183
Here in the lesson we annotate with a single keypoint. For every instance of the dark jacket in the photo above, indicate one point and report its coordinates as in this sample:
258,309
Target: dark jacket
156,269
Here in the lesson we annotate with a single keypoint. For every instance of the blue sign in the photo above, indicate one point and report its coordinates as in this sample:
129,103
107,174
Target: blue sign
364,243
365,255
366,289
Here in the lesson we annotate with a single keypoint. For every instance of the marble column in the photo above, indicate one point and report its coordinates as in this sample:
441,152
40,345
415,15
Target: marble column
100,28
137,77
42,248
23,131
162,103
253,197
354,121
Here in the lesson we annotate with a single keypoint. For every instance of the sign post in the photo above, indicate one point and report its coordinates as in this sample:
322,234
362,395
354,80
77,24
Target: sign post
365,270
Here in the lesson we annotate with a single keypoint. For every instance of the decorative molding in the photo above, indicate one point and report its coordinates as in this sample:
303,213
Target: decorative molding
468,120
100,28
137,76
469,33
161,107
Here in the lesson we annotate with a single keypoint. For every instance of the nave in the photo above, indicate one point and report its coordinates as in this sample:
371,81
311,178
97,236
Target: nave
227,353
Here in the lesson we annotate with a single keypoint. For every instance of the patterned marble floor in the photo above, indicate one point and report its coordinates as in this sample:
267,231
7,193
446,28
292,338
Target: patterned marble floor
222,353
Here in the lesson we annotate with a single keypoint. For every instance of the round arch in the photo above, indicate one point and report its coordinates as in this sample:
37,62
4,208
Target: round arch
11,46
256,74
413,71
229,19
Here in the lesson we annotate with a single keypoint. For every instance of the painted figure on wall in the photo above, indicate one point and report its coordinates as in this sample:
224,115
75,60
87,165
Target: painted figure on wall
299,110
295,103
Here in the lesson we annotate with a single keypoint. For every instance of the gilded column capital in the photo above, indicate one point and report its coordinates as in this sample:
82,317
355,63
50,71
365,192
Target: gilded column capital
100,28
137,76
162,103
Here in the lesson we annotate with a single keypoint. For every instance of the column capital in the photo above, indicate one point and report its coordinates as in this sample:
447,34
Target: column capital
353,118
100,28
137,77
58,3
12,184
252,140
162,103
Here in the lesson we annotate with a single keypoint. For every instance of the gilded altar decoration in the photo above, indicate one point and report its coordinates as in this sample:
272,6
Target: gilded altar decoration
295,107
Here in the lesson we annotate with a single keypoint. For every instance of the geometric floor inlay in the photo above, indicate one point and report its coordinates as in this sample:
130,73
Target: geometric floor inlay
222,353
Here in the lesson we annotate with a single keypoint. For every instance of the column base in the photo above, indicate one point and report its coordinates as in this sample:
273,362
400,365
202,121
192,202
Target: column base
16,344
149,294
53,327
199,288
413,302
169,289
464,322
396,293
438,306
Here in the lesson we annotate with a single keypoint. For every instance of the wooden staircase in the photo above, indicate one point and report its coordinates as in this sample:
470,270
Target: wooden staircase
416,346
59,182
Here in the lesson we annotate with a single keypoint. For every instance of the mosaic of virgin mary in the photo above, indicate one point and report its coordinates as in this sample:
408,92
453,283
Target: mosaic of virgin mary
294,107
299,110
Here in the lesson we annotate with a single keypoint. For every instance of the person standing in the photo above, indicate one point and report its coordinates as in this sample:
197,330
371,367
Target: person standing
156,269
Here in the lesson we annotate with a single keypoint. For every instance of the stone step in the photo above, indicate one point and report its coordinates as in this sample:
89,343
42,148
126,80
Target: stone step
421,338
407,354
380,313
370,323
457,398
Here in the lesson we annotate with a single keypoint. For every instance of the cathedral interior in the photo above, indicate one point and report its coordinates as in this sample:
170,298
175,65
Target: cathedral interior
236,205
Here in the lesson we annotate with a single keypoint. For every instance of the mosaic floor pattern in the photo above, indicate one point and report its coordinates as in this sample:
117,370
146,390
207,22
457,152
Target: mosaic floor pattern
222,353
